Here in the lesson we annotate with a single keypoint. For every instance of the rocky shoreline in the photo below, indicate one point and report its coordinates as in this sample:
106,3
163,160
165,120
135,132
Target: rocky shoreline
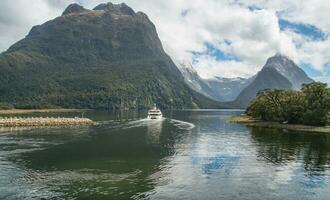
43,121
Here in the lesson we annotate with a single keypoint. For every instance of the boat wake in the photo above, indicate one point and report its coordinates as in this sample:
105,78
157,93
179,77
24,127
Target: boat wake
182,124
146,123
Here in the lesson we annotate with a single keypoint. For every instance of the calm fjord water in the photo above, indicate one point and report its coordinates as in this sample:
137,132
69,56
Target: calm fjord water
188,155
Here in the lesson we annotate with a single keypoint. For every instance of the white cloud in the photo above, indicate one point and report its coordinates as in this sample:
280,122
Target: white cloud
324,79
316,53
314,12
17,18
254,36
226,68
311,12
185,26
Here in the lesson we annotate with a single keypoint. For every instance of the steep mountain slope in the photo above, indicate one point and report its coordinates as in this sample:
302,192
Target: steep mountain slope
289,70
195,81
106,58
279,72
267,78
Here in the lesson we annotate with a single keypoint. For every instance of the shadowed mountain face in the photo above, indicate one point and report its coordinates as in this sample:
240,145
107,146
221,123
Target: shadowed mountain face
267,78
104,58
279,72
289,70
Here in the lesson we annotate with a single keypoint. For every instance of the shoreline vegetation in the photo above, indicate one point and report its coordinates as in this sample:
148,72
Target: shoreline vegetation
307,110
251,122
26,111
309,106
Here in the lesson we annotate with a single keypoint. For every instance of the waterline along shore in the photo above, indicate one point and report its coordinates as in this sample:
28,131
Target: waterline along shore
249,121
43,121
26,111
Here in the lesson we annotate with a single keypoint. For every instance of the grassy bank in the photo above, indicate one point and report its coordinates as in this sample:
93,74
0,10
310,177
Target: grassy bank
248,121
26,111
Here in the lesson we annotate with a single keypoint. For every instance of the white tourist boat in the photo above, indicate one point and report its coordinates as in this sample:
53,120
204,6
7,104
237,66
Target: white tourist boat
154,113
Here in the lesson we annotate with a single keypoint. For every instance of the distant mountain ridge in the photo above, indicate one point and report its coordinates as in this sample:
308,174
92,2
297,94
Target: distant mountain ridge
278,72
106,58
218,88
227,89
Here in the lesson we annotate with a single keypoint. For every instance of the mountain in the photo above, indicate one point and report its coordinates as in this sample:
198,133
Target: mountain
106,58
287,68
278,72
218,88
267,78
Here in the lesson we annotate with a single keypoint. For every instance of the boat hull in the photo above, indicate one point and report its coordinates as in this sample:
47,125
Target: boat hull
155,117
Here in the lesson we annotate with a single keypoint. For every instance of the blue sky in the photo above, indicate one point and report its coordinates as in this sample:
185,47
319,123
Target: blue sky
215,52
313,34
307,30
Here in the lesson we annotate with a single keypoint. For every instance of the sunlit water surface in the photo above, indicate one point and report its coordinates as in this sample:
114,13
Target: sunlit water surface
188,155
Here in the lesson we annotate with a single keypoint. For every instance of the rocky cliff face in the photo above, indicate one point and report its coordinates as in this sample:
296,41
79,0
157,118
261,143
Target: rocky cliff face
105,58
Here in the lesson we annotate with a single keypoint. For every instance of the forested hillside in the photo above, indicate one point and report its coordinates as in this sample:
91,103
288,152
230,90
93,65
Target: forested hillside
106,58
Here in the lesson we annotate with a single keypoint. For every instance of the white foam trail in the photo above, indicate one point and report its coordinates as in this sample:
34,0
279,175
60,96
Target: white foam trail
113,124
182,124
146,122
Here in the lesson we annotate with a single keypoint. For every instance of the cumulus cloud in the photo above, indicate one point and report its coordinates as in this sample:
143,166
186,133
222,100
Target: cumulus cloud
310,13
248,30
228,68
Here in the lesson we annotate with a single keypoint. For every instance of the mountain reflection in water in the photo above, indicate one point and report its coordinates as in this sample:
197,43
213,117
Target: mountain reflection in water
186,155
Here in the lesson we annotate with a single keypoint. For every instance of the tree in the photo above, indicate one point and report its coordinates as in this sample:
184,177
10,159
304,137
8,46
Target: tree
293,107
317,103
267,106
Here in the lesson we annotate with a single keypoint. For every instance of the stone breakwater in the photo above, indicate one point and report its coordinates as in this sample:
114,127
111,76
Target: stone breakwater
44,121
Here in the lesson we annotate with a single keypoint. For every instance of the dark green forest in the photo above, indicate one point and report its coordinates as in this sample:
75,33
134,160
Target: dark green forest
310,106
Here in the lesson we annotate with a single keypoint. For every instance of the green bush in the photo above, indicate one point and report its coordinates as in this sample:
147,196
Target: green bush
311,106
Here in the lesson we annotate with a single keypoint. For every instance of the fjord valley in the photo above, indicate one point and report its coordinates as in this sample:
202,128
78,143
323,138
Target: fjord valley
111,57
93,107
